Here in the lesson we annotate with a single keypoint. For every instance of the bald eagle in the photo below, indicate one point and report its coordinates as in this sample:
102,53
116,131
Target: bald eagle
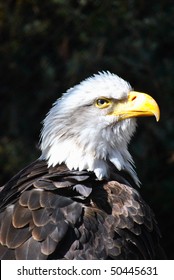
80,199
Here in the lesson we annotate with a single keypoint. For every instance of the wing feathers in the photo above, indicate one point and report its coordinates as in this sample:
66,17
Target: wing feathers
21,216
10,235
30,250
57,213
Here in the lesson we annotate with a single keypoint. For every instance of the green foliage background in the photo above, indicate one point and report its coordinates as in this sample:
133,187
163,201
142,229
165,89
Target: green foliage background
48,46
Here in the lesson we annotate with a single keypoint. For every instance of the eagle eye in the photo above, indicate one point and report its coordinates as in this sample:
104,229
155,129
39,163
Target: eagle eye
102,102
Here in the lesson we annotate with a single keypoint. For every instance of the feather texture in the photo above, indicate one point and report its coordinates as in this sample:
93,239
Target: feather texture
80,199
108,221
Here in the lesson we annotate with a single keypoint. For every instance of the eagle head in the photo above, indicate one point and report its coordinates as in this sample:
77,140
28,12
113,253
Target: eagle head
90,126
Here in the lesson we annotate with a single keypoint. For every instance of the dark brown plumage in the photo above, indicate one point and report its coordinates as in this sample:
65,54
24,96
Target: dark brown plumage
56,213
79,200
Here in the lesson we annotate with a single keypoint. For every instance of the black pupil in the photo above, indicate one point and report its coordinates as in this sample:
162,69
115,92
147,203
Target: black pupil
101,101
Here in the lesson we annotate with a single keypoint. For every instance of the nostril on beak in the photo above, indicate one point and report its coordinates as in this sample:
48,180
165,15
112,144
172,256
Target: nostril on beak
133,98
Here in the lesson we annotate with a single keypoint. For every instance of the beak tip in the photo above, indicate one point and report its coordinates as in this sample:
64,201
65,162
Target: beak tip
157,115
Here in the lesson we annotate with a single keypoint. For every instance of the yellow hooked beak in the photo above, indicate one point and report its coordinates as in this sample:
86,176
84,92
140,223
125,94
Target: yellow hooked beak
137,104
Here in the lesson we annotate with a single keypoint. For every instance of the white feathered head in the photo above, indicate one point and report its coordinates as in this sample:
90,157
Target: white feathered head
92,124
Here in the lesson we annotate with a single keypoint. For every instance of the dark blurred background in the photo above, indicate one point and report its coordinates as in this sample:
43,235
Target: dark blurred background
48,46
